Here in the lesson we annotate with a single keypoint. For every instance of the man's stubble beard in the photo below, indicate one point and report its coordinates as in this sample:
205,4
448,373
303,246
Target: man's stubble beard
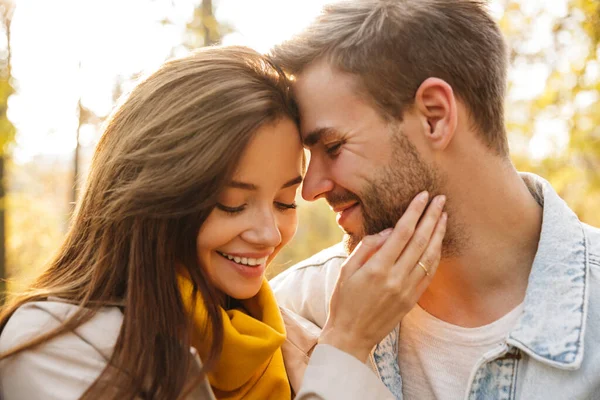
388,196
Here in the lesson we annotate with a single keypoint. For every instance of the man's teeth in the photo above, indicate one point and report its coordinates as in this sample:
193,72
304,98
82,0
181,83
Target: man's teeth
245,260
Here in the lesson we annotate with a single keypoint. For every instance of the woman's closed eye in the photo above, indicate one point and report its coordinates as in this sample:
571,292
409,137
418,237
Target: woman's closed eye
231,210
285,206
236,210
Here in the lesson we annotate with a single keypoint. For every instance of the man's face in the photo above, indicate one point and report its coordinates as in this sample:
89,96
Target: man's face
364,166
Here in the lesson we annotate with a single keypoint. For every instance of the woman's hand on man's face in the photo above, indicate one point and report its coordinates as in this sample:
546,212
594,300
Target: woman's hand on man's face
382,280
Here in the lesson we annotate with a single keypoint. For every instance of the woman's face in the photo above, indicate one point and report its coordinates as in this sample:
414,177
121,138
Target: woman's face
256,215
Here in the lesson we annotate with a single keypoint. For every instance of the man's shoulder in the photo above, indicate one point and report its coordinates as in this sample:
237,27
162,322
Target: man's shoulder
335,254
592,237
305,288
591,360
326,261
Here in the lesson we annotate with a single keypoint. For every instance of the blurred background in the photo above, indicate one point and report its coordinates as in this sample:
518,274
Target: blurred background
64,64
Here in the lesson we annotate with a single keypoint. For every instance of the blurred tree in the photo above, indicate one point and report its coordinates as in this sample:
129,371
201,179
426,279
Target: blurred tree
84,116
38,194
569,100
7,129
204,29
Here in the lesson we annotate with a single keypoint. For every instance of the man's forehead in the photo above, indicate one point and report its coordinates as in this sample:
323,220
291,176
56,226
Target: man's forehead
321,77
319,70
326,101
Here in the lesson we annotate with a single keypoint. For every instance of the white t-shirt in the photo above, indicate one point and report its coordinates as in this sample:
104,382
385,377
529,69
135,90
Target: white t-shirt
436,358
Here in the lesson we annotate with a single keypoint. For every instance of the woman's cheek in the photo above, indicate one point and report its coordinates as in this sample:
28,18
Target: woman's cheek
289,227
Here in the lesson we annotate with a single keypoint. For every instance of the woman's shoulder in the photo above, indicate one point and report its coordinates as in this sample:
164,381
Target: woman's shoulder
37,318
63,367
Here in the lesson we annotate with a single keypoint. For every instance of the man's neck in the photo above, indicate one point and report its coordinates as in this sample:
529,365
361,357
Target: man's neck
502,224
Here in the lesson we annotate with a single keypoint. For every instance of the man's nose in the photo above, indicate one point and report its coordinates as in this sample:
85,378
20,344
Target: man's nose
316,181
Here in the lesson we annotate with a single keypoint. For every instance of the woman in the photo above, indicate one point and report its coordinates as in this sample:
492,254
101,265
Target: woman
189,196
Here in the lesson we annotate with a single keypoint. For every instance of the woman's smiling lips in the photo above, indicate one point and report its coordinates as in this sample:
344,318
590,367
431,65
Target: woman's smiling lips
250,265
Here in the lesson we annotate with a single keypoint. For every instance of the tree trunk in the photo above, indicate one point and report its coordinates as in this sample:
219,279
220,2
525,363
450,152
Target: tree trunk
3,274
7,13
207,19
76,159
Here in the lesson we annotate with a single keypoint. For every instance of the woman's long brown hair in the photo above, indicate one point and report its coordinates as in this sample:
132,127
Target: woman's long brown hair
165,155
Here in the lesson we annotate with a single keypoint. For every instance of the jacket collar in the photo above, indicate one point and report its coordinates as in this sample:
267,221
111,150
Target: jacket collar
552,326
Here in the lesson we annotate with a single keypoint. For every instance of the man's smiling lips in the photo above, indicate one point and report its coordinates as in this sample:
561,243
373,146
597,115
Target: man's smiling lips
344,212
342,208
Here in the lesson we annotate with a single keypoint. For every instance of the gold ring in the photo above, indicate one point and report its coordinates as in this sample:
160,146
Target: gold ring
420,264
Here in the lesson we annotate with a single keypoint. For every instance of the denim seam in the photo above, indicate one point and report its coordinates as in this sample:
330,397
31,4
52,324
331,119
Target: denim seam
583,306
581,324
513,392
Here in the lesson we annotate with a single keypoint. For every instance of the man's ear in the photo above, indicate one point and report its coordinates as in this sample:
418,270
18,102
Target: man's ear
436,105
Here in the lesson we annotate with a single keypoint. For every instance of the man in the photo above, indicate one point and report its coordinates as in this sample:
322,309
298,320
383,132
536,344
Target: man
397,97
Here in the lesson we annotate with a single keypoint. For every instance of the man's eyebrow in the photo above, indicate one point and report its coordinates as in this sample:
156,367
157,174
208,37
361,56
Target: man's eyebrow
316,135
250,186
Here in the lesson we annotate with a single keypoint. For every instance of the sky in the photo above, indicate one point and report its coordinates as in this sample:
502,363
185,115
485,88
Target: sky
64,50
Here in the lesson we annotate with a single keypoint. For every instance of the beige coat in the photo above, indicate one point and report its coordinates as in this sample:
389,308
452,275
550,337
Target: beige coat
65,367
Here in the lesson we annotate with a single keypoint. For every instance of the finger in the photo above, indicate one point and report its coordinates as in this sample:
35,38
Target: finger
422,237
431,258
403,231
361,254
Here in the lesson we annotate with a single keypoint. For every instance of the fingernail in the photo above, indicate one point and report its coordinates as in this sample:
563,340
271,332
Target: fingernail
386,232
441,200
423,196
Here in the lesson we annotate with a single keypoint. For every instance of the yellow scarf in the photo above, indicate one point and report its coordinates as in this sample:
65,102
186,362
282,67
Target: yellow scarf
251,364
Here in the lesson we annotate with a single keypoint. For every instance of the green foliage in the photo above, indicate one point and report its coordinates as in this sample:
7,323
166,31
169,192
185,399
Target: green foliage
34,235
7,129
571,94
38,201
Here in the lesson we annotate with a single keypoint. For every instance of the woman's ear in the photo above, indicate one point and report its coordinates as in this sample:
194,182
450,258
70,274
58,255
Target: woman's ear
436,105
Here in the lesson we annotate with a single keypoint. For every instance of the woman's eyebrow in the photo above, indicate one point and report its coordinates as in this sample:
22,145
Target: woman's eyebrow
250,186
296,181
242,185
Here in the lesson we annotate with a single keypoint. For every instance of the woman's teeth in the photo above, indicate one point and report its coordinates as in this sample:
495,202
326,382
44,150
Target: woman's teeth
245,260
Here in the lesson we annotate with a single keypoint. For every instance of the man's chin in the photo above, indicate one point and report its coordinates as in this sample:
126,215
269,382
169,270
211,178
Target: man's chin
351,241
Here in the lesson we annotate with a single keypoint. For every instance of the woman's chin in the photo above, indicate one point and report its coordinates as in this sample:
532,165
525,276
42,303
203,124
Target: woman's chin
244,293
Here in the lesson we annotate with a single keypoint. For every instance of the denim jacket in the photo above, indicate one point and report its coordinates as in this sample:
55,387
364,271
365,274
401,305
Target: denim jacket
553,352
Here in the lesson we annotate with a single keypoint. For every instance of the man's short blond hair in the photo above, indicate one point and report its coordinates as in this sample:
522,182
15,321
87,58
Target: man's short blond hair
395,45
